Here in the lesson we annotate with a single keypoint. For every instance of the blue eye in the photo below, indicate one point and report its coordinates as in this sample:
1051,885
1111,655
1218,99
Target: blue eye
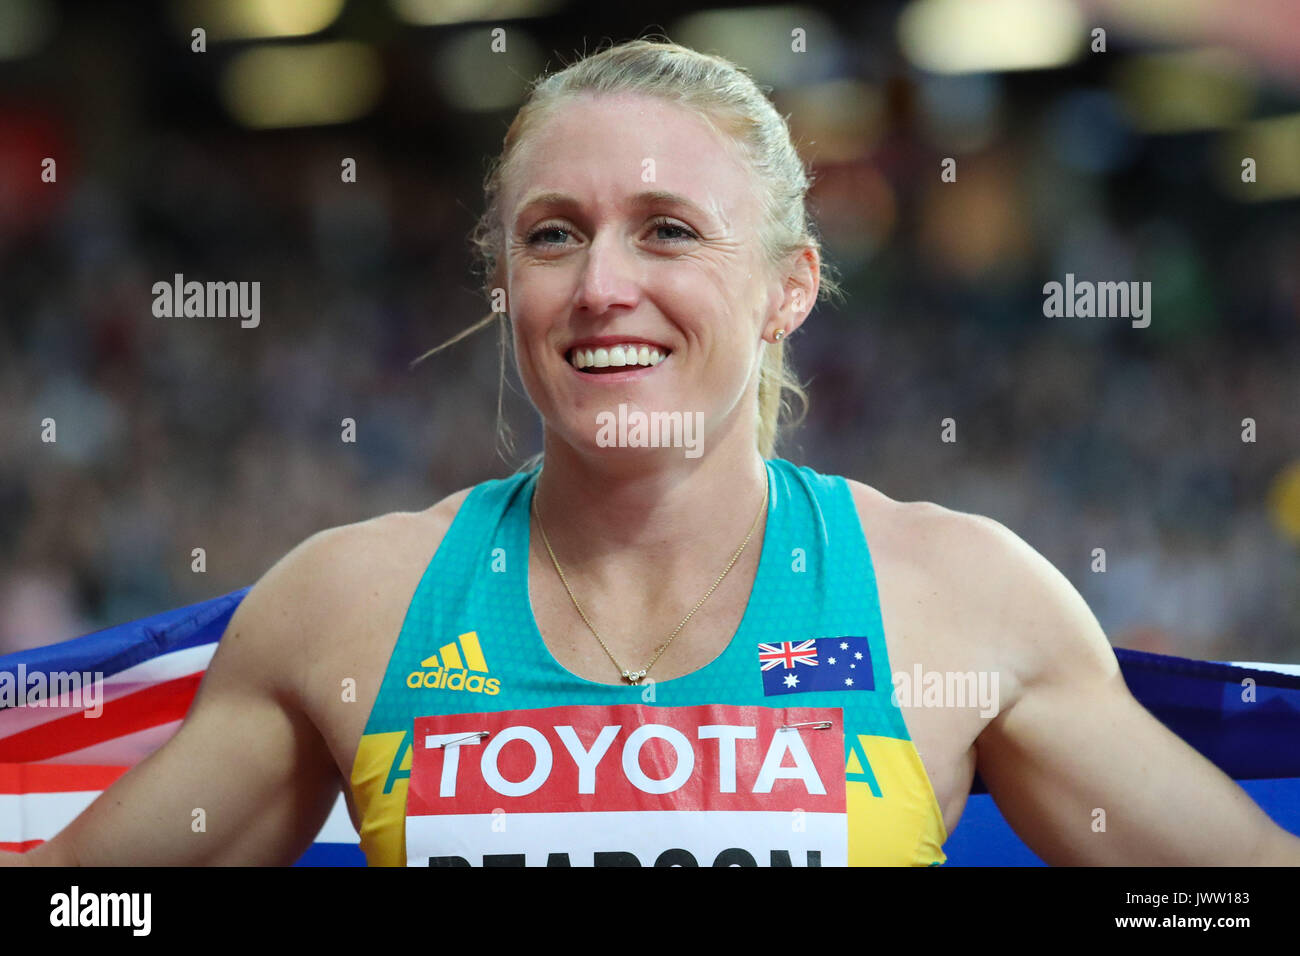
684,234
667,224
532,236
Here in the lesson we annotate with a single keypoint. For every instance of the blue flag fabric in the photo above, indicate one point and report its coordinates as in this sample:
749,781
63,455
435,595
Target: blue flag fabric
1245,720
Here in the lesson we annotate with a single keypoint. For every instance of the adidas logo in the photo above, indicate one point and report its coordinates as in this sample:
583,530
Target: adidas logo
451,667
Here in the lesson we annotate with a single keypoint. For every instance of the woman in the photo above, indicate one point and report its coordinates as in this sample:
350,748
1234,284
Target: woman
665,646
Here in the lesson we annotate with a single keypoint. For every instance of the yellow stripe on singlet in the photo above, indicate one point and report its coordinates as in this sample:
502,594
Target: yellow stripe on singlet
383,815
884,830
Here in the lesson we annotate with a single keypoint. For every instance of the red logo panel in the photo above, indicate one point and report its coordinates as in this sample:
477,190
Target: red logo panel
629,757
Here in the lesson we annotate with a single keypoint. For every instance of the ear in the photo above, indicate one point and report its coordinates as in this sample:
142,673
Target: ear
800,288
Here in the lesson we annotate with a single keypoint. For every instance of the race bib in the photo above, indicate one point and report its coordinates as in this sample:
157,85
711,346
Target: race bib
629,785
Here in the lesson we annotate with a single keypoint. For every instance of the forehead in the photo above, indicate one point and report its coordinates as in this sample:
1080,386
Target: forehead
603,149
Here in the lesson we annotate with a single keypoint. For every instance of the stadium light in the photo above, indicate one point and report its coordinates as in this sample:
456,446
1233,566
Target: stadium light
256,19
958,36
305,85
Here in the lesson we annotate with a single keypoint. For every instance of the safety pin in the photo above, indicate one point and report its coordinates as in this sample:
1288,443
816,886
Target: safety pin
480,734
814,724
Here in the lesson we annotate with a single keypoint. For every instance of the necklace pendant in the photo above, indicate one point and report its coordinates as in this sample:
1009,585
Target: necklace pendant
633,677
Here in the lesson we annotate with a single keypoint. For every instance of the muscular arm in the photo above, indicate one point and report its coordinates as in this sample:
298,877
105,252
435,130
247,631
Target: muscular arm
245,754
1072,748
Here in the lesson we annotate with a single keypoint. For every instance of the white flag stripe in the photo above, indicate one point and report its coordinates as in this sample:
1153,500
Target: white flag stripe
338,826
1280,668
40,816
189,660
166,667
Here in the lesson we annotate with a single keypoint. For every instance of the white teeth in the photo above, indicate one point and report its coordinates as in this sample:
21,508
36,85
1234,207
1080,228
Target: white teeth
617,356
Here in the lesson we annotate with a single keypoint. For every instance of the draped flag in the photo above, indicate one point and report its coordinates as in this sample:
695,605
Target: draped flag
1245,718
76,716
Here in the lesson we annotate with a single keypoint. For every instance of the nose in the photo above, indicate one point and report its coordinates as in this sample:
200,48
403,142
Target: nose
610,276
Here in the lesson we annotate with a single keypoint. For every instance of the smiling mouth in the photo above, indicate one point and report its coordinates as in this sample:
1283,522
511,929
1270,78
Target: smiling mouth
616,358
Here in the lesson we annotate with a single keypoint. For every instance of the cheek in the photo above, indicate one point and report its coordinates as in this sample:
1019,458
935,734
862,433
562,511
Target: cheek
535,301
530,357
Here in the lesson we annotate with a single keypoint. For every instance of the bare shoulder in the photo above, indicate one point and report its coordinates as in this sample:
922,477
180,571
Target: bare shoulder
365,552
934,533
952,549
987,585
333,566
340,581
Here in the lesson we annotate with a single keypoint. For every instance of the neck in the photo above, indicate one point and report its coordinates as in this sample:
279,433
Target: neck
658,516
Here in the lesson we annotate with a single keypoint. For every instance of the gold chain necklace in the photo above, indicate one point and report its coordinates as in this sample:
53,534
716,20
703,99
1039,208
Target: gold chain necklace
633,677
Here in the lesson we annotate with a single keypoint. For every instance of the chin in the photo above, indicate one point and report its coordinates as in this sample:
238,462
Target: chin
623,429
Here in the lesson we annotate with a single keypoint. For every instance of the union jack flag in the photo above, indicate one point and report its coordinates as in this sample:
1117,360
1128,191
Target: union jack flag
788,653
54,761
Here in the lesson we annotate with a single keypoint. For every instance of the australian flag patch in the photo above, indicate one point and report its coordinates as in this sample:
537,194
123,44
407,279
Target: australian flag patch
821,663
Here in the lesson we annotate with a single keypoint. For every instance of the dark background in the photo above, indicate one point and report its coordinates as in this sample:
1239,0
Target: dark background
1077,434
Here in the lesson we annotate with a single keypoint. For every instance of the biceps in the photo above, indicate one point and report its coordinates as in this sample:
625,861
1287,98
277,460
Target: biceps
242,781
1086,775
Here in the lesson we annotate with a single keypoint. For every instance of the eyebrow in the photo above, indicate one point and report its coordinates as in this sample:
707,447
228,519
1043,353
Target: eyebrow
644,198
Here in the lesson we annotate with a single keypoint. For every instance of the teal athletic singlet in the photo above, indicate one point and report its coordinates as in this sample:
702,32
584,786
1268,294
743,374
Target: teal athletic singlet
785,750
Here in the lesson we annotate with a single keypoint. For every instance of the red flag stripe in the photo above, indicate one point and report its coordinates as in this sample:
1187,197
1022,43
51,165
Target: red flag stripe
20,847
56,777
160,704
125,751
156,670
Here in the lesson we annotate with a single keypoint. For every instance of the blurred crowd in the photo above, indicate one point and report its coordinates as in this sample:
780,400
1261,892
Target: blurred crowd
1080,434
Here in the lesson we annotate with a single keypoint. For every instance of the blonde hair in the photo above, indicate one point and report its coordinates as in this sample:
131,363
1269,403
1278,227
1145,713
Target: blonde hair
724,95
